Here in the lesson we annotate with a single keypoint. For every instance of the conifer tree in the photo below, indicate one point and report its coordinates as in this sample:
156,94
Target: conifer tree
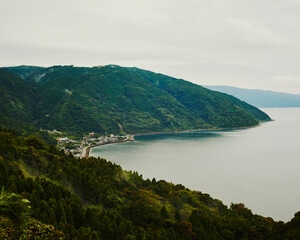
177,216
164,213
69,214
52,218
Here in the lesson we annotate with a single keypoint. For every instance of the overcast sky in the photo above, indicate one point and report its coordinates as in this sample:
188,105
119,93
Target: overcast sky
242,43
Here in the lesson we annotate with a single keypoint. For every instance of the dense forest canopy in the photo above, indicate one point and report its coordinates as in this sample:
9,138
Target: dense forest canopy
114,99
91,198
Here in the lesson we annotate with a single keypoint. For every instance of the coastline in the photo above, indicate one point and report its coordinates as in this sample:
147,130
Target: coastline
196,130
88,148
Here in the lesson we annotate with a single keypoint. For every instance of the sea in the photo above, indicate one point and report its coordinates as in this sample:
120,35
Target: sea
258,166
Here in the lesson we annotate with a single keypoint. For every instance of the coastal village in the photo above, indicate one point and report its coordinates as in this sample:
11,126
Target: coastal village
80,148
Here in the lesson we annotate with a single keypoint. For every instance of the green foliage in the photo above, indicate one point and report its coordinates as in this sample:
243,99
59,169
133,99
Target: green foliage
95,199
14,207
114,99
33,229
25,71
164,213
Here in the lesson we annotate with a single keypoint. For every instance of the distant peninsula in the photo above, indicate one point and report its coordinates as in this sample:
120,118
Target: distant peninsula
260,98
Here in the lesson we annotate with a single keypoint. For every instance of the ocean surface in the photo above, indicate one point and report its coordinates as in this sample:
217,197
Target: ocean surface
259,166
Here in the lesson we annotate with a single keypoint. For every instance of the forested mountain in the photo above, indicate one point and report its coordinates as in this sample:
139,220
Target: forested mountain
115,99
18,100
261,98
50,195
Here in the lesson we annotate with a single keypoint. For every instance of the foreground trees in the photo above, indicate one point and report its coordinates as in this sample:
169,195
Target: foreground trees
60,196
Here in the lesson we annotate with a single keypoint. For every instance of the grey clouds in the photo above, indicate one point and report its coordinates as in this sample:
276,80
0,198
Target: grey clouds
243,43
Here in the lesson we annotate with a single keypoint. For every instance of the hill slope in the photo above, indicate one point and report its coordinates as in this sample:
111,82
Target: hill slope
117,99
17,99
95,199
261,98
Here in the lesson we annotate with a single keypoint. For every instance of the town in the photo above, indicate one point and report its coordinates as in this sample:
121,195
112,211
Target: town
79,147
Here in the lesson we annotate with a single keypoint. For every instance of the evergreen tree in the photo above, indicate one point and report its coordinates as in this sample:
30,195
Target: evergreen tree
177,216
52,217
69,214
164,213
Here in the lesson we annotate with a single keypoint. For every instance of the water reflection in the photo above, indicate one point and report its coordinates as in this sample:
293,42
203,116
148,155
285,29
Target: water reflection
256,166
180,136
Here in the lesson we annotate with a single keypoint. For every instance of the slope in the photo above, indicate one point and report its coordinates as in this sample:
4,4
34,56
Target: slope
114,99
25,71
212,106
17,99
95,199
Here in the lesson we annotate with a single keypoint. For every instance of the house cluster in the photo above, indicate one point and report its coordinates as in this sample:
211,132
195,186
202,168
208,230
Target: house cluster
54,132
77,147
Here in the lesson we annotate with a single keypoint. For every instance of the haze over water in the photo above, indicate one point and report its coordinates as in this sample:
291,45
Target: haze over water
258,166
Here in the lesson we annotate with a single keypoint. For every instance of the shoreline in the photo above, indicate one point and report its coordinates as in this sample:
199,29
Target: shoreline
88,148
193,130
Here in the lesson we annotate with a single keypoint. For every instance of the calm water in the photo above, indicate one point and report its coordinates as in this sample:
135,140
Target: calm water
259,167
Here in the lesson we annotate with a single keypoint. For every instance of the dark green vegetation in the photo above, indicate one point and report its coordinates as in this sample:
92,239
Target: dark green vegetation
50,195
18,101
114,99
261,98
95,199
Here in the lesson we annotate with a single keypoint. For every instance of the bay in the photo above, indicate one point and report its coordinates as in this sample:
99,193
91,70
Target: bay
259,166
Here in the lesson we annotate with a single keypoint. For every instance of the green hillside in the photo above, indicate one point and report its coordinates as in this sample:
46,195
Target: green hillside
50,195
17,106
17,99
218,109
25,71
113,99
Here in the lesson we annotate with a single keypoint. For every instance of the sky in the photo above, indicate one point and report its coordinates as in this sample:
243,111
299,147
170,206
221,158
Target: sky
243,43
